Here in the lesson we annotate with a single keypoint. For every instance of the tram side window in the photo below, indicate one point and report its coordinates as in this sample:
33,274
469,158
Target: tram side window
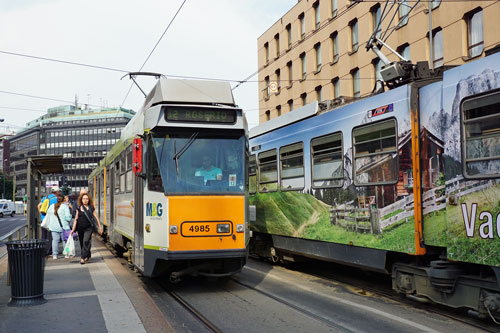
252,174
375,154
268,171
117,177
154,177
292,167
481,136
129,179
327,161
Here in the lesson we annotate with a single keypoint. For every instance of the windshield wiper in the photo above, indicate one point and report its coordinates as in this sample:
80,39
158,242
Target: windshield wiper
178,154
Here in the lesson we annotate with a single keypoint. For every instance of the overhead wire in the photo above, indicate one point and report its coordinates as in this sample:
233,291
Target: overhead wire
154,48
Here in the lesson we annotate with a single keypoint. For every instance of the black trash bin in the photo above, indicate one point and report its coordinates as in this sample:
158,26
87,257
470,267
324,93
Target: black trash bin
26,265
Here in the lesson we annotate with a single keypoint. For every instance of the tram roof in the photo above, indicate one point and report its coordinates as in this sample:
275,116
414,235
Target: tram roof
189,91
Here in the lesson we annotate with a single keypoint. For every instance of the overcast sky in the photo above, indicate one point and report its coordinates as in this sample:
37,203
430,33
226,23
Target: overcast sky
209,38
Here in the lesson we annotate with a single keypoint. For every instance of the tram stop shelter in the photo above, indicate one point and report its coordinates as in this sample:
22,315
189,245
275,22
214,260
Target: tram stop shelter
38,166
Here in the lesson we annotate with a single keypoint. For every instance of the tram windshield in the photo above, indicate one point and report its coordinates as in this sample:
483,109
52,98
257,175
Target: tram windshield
191,161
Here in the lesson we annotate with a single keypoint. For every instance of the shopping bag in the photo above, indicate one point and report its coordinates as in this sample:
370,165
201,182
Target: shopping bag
69,249
45,222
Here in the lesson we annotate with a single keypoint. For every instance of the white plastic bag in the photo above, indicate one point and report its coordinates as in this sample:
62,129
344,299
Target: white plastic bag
69,249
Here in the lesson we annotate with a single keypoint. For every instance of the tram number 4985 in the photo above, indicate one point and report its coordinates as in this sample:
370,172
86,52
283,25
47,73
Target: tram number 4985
200,228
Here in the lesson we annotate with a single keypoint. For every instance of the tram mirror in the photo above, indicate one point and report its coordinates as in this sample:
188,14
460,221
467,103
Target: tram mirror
137,156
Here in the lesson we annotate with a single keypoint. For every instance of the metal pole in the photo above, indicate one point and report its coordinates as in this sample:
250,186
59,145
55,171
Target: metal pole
431,65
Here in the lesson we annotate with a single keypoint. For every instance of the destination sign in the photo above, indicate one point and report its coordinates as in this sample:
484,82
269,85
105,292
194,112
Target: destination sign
201,115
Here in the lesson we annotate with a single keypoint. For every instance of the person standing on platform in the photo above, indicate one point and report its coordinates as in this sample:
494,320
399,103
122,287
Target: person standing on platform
46,234
85,218
59,215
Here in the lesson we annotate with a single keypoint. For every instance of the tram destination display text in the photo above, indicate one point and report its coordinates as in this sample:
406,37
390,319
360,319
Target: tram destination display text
201,115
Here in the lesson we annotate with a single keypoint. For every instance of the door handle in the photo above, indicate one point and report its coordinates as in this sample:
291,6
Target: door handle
132,203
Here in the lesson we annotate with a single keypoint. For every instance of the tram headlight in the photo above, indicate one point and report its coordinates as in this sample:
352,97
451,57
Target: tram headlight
223,228
173,229
240,227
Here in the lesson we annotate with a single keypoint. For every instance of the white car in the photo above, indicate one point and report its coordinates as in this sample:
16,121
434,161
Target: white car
7,208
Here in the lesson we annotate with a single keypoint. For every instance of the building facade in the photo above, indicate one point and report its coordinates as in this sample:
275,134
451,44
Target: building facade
316,51
83,137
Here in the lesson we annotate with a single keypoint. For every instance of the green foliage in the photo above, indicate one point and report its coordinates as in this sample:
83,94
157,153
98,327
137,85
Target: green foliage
8,186
435,228
283,213
400,238
474,249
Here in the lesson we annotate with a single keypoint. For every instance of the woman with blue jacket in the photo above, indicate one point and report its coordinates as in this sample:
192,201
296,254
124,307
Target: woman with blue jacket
56,225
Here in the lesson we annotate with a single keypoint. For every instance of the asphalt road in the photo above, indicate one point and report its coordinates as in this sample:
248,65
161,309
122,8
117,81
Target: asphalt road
266,298
8,223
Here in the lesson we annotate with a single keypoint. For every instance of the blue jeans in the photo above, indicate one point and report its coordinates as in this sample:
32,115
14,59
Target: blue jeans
56,237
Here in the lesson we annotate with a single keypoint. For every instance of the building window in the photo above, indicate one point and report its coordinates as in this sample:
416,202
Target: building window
404,51
268,115
375,11
435,3
375,154
404,9
317,15
336,87
319,94
268,171
290,105
252,174
475,41
277,44
335,46
303,65
292,167
278,110
327,164
355,83
266,52
353,26
266,90
317,51
289,35
334,8
290,73
303,98
481,136
302,26
278,79
437,48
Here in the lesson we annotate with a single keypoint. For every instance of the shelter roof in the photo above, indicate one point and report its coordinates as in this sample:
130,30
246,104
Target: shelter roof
47,164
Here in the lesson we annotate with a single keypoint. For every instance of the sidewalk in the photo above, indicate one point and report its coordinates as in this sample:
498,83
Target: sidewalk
100,296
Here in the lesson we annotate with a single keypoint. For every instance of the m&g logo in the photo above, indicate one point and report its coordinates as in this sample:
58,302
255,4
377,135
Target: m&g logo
154,209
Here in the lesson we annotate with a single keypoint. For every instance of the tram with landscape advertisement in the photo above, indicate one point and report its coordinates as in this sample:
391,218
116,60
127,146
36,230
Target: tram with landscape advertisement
172,192
405,182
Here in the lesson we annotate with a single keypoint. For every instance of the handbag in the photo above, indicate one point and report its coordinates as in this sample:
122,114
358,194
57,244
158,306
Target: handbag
45,223
65,232
93,222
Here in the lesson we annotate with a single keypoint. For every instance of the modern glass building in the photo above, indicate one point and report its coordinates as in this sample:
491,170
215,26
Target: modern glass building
82,135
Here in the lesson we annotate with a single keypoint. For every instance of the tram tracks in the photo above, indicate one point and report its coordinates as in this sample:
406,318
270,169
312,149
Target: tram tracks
375,288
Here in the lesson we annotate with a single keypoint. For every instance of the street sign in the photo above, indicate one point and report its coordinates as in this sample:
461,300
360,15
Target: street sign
273,87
